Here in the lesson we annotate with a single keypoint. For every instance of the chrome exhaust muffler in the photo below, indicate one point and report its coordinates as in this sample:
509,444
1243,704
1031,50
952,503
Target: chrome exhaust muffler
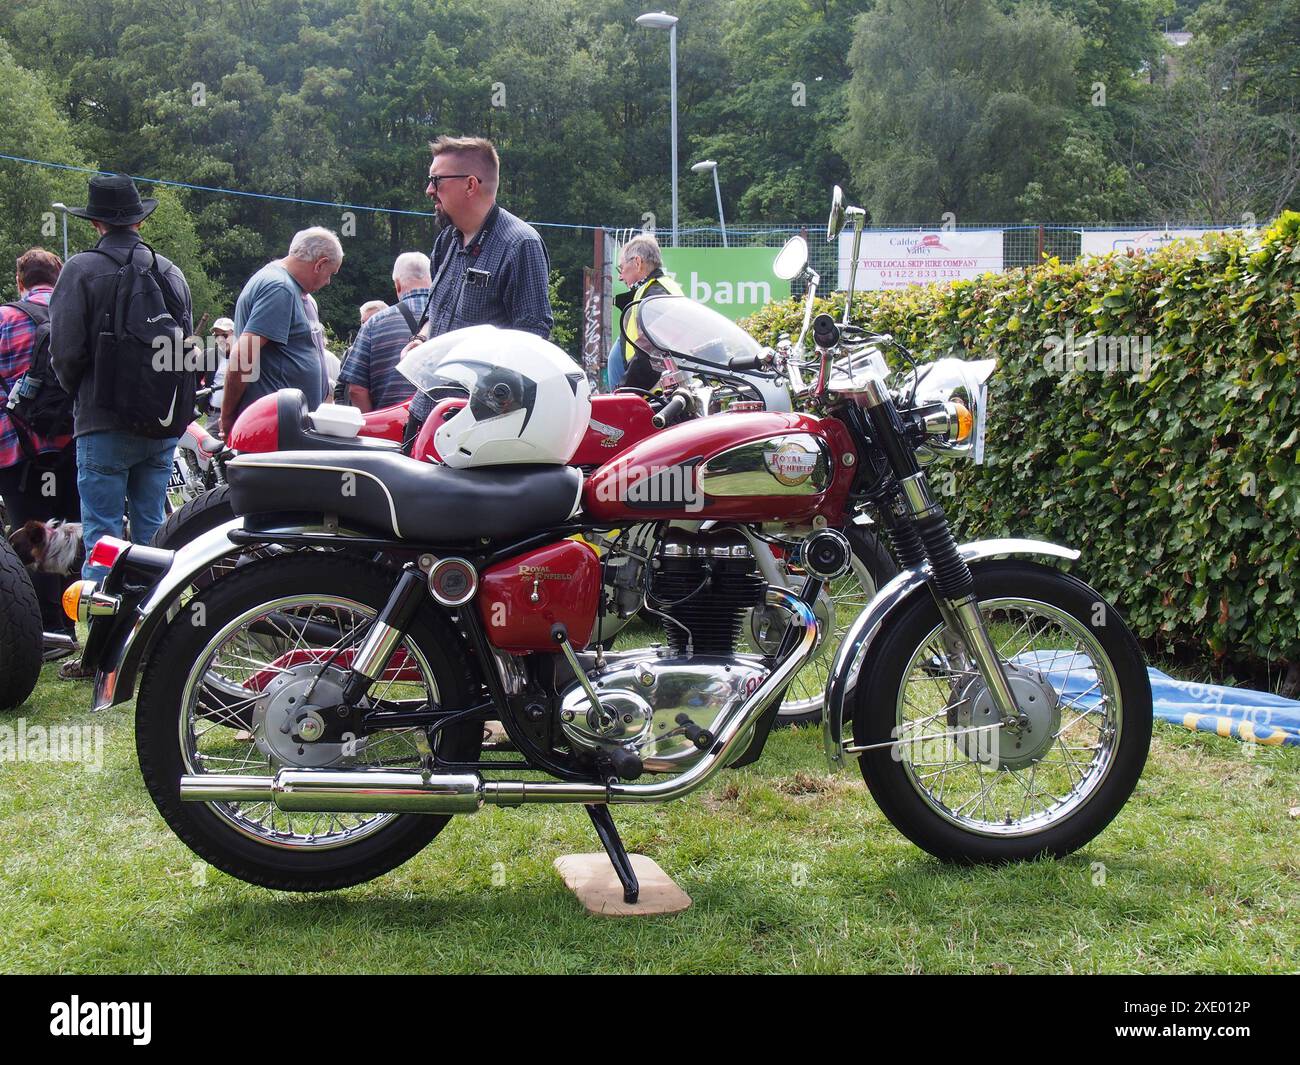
414,792
335,791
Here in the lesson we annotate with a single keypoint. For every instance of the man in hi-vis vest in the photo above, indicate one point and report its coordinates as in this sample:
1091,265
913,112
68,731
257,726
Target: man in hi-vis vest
641,269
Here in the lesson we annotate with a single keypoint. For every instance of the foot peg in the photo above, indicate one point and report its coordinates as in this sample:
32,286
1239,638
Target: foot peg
701,737
619,763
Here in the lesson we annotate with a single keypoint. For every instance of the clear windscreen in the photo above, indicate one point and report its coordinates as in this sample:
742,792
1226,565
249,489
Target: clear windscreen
691,332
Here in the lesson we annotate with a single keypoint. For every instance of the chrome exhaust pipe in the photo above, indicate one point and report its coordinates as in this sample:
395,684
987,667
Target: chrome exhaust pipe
334,791
391,791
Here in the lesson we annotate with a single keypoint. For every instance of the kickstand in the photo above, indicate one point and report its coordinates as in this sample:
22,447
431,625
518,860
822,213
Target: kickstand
603,821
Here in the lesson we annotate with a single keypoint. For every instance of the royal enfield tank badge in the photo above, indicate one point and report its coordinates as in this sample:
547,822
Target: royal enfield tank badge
610,434
791,464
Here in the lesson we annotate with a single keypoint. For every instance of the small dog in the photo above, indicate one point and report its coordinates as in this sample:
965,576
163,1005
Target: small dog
50,546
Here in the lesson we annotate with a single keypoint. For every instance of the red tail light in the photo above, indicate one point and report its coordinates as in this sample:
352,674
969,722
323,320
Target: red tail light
108,551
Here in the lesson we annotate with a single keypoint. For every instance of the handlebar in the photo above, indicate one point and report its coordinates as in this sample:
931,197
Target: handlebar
826,332
671,411
745,362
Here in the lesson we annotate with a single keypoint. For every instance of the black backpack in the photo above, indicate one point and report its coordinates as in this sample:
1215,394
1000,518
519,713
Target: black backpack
145,369
37,402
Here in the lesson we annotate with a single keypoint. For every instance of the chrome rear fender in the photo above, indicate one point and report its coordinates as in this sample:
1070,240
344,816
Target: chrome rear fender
115,680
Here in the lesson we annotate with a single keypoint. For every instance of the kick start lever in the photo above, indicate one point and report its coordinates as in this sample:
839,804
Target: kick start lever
616,762
560,634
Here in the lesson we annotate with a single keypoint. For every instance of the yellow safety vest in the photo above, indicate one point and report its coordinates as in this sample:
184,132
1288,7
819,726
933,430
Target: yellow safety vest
630,326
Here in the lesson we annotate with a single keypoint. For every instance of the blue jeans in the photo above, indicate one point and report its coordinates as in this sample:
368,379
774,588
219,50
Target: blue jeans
118,473
616,365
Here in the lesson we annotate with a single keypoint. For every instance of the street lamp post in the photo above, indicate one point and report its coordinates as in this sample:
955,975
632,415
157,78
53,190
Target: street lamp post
700,168
63,207
661,20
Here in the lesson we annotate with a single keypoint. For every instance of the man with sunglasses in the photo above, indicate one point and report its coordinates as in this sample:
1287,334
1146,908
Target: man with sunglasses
489,267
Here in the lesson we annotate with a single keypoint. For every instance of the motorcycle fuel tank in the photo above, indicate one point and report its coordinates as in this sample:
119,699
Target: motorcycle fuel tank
521,598
617,422
765,466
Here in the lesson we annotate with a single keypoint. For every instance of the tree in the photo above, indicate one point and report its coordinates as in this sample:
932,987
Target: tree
778,99
1079,182
1206,151
1262,37
951,104
28,118
29,122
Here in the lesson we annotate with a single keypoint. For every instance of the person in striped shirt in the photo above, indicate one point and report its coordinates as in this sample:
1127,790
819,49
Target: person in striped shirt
38,475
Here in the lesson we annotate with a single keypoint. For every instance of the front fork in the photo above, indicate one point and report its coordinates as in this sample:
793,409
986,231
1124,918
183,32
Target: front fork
951,582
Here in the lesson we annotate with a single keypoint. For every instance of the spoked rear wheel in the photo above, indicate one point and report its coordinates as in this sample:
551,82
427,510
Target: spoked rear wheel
279,634
1045,786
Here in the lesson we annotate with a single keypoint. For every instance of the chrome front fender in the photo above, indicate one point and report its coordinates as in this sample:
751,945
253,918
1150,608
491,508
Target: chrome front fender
115,681
852,652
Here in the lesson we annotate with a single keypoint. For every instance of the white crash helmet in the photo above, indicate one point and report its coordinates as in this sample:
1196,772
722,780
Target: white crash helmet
528,401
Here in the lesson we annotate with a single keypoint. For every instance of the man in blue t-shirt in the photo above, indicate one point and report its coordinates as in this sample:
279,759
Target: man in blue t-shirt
280,342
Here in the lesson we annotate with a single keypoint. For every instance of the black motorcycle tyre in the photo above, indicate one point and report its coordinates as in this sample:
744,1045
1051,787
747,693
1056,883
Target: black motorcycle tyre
875,719
161,760
21,639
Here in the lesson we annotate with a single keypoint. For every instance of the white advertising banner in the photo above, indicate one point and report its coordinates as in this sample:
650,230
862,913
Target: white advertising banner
1103,242
895,259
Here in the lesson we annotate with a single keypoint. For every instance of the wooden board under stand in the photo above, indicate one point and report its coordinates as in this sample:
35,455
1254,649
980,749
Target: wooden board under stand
592,879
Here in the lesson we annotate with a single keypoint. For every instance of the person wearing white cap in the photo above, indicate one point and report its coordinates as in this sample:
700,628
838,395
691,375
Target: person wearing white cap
223,331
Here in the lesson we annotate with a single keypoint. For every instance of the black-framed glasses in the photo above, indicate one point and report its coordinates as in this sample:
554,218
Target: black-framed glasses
436,178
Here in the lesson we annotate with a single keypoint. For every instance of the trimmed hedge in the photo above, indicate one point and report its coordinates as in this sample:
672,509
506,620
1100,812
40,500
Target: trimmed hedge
1170,458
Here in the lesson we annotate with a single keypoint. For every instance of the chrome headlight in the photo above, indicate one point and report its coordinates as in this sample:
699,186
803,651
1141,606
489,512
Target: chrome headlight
959,391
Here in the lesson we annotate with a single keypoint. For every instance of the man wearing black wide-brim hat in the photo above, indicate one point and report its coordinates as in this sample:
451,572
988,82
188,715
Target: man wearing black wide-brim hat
118,470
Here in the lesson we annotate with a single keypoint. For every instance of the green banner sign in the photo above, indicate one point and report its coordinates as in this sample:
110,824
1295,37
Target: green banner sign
733,281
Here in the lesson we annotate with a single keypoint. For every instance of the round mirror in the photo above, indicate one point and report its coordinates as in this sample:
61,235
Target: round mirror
791,259
836,220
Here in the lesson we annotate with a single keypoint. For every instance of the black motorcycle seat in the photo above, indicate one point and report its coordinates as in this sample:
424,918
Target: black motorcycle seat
404,498
296,433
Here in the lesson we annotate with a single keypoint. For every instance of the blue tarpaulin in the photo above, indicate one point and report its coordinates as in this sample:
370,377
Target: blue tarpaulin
1239,713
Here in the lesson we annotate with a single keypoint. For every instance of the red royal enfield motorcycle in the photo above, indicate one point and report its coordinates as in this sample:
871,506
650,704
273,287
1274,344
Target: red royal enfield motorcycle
1000,708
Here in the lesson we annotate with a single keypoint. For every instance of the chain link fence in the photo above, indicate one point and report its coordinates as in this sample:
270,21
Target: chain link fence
1023,243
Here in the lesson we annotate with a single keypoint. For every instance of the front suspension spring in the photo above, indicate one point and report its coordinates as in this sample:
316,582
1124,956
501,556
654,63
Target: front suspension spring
952,576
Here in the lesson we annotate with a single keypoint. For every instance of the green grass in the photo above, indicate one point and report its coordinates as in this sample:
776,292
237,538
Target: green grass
790,870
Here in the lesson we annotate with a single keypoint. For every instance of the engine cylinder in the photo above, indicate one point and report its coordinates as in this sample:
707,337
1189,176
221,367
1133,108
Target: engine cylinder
705,583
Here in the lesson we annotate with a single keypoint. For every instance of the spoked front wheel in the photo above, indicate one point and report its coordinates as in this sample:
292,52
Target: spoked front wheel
968,788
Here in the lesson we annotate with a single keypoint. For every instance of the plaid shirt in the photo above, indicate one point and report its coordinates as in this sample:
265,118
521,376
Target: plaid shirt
17,332
514,294
372,359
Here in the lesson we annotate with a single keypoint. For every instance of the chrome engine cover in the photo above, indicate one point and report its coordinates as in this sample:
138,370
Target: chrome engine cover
641,698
